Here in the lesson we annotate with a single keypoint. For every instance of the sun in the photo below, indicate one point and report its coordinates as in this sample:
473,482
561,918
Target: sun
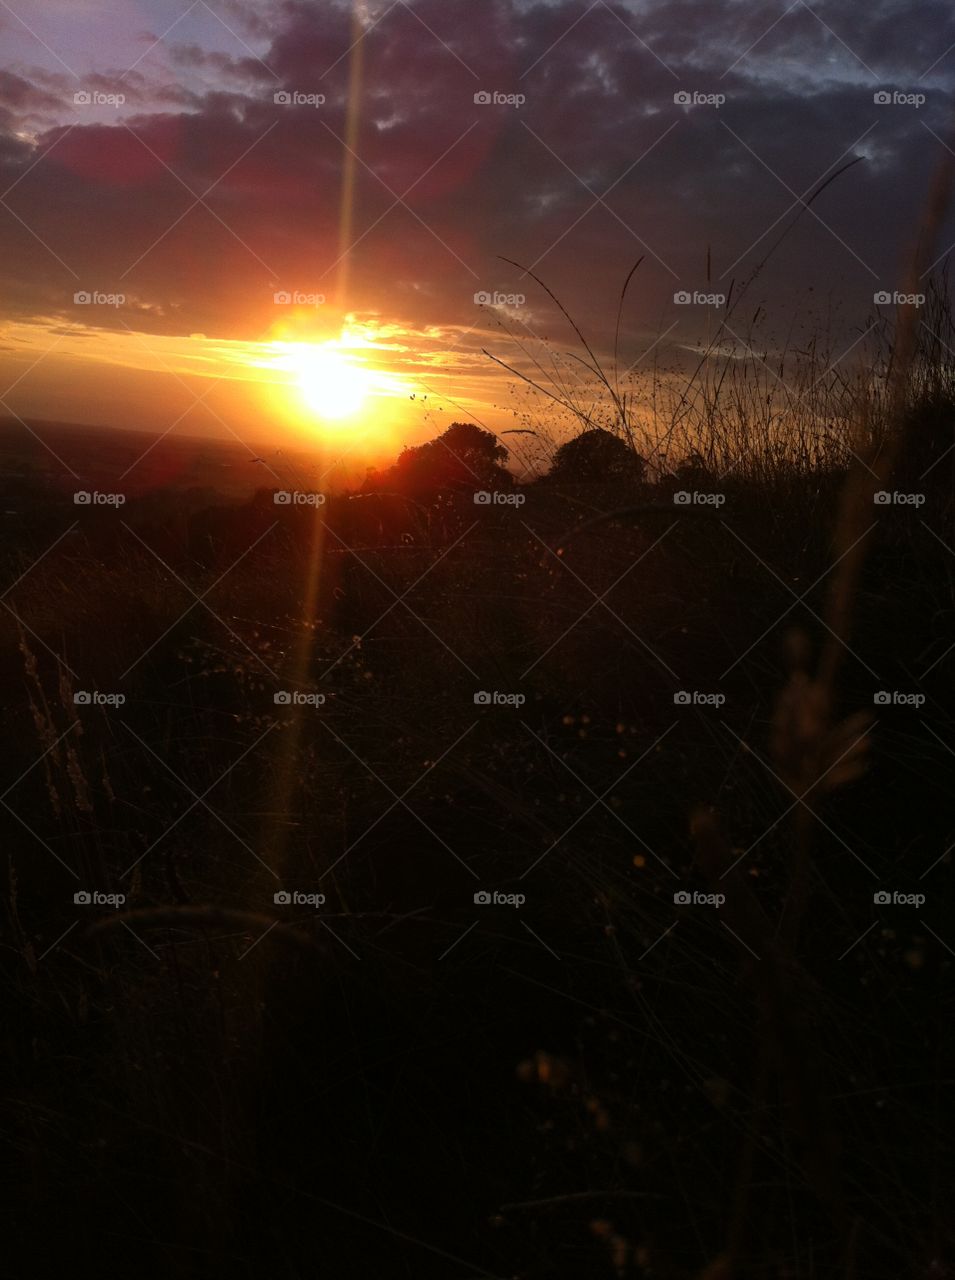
326,387
330,384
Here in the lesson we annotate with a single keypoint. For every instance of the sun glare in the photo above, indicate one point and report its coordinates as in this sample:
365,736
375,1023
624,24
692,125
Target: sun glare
331,385
326,387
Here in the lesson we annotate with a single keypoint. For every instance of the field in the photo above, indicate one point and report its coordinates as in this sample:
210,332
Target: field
489,888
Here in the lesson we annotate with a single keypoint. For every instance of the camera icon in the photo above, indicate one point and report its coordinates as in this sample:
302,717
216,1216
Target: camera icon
282,298
82,898
482,298
882,298
283,698
82,698
681,699
82,498
682,98
282,898
681,898
82,98
882,499
482,98
881,99
882,699
682,498
682,298
482,499
282,98
482,699
881,898
283,498
82,298
482,898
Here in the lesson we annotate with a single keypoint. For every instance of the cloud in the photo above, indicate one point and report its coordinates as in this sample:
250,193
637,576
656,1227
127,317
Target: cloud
246,70
203,198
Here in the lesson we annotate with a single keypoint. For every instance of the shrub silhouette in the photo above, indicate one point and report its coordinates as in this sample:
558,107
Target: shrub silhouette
597,455
463,457
692,472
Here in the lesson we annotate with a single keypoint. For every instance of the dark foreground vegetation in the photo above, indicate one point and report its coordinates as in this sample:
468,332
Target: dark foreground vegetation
602,1079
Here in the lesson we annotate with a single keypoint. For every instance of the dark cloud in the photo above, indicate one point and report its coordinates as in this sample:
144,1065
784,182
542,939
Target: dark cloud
246,70
23,95
109,200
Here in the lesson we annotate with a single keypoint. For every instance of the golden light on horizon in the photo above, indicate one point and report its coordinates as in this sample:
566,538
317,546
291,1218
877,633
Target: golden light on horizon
364,383
333,386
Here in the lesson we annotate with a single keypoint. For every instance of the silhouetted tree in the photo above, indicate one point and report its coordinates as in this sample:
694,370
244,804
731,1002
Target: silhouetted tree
693,472
462,457
597,455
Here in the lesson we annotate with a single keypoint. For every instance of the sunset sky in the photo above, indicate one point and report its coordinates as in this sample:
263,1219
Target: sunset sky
199,176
